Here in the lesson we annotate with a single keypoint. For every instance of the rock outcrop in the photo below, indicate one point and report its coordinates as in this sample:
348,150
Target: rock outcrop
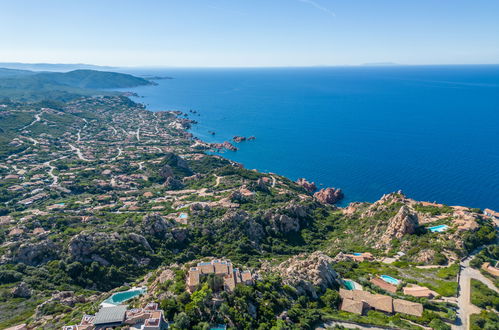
36,253
404,222
140,240
288,218
21,290
155,225
328,195
173,184
86,246
308,272
310,187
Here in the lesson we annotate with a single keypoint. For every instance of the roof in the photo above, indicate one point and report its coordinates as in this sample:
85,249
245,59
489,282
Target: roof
381,302
352,306
407,307
418,291
115,314
384,285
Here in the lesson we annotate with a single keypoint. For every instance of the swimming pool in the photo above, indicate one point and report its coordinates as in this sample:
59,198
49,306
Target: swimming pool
357,254
438,229
390,279
119,297
349,284
183,216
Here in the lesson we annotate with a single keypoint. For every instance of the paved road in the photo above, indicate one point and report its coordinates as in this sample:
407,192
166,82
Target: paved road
466,308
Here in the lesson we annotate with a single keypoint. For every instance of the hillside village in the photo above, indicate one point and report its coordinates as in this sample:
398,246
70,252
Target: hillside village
101,196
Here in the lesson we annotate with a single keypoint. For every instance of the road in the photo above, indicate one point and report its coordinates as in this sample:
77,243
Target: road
78,153
466,308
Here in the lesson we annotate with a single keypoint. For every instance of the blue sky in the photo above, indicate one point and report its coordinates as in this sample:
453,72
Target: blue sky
250,32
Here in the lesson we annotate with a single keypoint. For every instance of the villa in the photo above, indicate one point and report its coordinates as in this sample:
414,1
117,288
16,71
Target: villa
358,302
383,284
419,291
360,257
147,318
223,268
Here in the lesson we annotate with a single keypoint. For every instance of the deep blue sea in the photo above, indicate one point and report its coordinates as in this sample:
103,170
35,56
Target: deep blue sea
432,131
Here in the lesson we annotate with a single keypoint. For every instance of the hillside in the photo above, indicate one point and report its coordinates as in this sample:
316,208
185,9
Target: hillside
99,192
25,85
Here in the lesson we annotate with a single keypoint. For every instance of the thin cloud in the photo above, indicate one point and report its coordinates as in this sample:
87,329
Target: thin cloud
318,6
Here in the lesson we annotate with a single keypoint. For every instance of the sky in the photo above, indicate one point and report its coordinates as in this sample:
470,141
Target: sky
249,33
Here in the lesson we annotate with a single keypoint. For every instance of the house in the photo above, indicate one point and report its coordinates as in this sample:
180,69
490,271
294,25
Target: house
407,307
419,291
491,213
384,285
110,317
358,301
147,318
360,257
353,306
224,268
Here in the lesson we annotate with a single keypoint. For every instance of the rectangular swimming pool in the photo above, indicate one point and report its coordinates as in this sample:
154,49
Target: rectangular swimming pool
438,229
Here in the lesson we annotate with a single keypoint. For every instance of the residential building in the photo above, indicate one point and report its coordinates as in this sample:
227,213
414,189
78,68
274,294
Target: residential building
224,268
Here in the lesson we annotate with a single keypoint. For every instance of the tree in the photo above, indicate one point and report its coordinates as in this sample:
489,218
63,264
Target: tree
182,321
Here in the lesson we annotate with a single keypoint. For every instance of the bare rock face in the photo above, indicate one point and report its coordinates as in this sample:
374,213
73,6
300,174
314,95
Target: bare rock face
238,138
306,272
173,184
425,256
404,222
36,253
83,247
166,172
154,224
245,222
140,240
309,186
180,234
288,218
329,195
21,290
262,185
284,223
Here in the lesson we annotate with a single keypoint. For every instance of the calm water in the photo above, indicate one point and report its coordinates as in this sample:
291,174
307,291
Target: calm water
431,131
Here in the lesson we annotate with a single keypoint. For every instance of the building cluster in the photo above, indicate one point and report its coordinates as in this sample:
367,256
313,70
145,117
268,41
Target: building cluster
223,268
148,318
359,302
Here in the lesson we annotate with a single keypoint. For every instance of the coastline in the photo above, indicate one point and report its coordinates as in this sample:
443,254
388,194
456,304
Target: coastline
366,163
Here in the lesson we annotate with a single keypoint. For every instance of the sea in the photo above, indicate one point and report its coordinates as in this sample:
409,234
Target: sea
430,131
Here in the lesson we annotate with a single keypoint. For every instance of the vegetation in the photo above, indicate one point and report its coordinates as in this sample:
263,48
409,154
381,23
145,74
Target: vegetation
482,296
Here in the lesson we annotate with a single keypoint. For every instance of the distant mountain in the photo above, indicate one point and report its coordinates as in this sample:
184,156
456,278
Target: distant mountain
52,67
34,86
380,64
12,72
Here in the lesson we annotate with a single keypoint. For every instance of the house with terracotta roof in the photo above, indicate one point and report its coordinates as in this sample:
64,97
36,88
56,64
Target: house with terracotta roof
407,307
358,301
223,268
419,291
383,284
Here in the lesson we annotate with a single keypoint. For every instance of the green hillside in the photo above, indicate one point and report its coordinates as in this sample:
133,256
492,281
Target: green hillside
23,85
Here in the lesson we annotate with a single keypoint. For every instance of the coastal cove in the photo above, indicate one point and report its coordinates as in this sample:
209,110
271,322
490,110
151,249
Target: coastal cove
367,130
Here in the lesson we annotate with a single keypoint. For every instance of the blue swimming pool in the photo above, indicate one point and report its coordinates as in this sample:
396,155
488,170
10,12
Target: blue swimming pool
438,229
349,284
390,279
119,297
357,254
183,216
